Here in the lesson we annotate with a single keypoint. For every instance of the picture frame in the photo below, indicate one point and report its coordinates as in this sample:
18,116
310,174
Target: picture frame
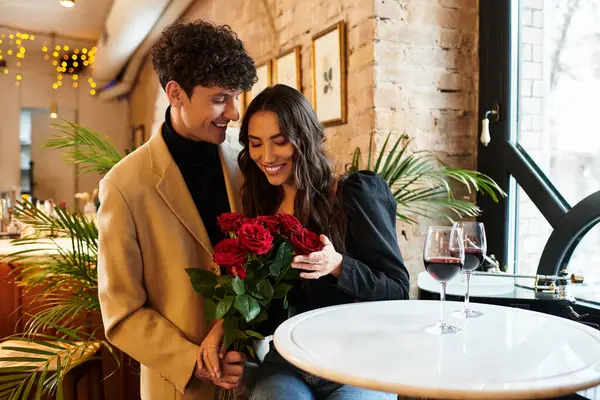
265,79
329,74
287,70
138,135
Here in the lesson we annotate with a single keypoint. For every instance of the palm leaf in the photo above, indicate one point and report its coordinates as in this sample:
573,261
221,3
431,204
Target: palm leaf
421,182
90,150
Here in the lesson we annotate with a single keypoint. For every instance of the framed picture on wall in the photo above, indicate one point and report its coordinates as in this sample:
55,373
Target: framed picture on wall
287,69
329,74
263,72
138,135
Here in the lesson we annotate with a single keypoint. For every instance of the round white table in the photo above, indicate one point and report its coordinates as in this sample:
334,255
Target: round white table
507,353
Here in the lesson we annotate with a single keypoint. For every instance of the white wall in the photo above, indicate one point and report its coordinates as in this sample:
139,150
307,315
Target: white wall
108,118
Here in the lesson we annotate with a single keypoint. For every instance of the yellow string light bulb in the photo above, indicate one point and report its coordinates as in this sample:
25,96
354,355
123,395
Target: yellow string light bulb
58,69
44,49
19,77
76,51
5,71
64,63
83,57
9,52
19,34
0,41
66,48
92,92
84,50
74,56
57,47
11,36
76,64
25,36
93,85
31,37
18,42
85,63
22,50
55,54
90,80
75,77
0,58
54,86
59,77
59,83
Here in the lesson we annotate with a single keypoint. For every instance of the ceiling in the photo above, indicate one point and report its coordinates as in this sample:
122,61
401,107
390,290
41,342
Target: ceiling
85,20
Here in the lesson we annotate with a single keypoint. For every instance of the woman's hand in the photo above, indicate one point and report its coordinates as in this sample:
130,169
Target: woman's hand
320,263
210,353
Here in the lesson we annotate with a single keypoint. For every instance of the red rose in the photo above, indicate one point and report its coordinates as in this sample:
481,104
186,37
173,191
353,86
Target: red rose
270,222
306,242
229,222
289,224
228,253
237,271
255,238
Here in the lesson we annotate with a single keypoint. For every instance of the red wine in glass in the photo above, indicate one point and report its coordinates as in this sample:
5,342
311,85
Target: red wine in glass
442,269
475,247
443,256
473,259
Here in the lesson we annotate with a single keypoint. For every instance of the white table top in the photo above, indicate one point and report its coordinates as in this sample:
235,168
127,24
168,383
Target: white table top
507,353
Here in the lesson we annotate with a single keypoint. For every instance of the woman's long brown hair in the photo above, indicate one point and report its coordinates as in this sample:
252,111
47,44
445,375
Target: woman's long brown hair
315,204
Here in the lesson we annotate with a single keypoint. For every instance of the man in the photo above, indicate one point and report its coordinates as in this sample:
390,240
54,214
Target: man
158,215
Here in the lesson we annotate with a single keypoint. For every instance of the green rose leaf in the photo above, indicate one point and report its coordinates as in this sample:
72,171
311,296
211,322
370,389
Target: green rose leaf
223,306
247,306
285,254
254,334
238,286
275,268
203,281
250,351
264,290
281,290
209,308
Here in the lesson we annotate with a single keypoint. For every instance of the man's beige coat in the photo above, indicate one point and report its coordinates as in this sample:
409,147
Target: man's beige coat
150,232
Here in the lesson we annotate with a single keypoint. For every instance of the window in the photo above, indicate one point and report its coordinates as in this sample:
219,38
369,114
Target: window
540,65
25,158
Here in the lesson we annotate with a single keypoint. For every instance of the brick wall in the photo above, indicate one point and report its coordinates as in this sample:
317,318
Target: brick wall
412,68
426,83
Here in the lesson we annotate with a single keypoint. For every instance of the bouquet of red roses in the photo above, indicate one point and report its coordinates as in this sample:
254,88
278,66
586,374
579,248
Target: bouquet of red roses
255,263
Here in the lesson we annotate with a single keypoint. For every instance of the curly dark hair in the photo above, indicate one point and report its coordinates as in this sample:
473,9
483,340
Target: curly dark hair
315,205
202,53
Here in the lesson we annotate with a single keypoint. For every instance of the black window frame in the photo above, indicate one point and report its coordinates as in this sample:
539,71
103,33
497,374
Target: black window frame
502,158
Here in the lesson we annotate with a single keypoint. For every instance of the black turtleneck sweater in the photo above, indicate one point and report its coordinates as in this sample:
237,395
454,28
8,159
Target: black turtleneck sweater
201,168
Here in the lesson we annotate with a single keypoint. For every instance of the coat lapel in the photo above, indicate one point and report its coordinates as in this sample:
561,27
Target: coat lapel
174,191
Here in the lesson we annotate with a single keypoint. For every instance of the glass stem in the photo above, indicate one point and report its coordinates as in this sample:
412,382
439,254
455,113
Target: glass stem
468,277
442,301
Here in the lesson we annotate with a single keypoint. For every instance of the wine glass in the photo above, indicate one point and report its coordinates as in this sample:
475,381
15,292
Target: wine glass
475,245
444,257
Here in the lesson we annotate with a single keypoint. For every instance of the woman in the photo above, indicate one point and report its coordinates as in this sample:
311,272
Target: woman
286,170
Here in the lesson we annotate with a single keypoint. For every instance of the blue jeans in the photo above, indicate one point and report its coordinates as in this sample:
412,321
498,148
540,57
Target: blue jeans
279,380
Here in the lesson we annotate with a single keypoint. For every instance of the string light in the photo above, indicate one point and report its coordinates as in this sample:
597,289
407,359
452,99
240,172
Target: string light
64,59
